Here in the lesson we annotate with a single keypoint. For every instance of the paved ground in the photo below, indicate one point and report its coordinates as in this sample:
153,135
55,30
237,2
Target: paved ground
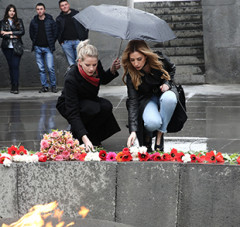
213,110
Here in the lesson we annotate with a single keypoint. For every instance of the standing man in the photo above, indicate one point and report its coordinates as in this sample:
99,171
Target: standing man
43,33
70,31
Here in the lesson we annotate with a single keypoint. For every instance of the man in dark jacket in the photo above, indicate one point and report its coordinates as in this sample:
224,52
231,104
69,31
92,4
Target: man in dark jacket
70,31
43,33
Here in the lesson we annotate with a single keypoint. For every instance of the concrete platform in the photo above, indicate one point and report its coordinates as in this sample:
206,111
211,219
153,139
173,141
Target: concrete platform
213,112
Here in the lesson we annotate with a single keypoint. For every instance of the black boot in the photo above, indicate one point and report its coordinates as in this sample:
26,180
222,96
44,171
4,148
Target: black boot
160,147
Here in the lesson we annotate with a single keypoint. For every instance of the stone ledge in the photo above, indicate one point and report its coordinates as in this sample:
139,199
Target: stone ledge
134,193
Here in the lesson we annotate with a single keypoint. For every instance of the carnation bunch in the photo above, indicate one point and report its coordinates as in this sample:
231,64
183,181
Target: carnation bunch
61,146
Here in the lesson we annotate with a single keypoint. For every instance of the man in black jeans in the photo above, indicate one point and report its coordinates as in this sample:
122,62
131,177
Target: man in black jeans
70,31
43,33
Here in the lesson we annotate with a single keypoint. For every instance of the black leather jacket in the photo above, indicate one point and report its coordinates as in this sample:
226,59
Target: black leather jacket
19,32
137,99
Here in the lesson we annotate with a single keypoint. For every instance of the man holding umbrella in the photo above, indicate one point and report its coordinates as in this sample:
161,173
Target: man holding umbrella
70,32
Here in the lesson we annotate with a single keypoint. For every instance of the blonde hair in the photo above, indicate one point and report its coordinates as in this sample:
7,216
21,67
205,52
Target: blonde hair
84,48
152,60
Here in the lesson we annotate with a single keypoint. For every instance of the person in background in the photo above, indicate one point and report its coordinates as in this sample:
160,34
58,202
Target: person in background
12,29
89,115
70,31
43,33
151,102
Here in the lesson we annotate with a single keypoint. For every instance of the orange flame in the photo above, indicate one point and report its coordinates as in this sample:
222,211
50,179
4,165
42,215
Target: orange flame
37,214
83,212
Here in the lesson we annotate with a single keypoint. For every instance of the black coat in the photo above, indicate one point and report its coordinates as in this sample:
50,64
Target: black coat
17,31
50,29
79,102
138,99
82,32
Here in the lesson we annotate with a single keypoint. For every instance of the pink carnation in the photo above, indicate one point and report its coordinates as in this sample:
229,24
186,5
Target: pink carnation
55,134
59,158
44,144
71,142
65,154
111,156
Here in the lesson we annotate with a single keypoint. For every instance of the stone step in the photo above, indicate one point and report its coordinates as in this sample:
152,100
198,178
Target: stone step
187,60
147,5
174,10
181,18
186,25
185,42
190,79
190,69
188,33
179,51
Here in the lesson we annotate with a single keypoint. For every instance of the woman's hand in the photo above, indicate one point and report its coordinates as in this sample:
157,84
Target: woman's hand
115,66
164,88
131,139
88,143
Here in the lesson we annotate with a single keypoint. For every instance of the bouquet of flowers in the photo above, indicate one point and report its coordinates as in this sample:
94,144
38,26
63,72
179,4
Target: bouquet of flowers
61,146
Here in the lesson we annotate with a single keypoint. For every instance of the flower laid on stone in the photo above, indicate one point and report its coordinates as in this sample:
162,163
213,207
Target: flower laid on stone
61,146
17,154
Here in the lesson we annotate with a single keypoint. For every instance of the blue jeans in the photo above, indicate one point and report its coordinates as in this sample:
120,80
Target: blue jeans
70,49
13,61
44,53
158,120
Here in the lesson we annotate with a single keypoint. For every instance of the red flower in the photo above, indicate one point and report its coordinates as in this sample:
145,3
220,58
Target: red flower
82,156
125,149
166,157
219,157
2,158
143,156
193,158
179,156
103,155
21,151
12,150
127,157
210,157
200,158
42,158
174,154
157,157
238,160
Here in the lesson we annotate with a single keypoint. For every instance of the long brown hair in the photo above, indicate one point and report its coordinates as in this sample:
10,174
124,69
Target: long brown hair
152,60
15,18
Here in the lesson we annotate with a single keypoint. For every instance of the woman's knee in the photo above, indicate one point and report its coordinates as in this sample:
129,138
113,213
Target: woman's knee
169,97
152,124
106,106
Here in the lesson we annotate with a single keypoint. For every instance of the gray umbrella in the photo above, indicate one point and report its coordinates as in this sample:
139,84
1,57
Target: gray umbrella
125,23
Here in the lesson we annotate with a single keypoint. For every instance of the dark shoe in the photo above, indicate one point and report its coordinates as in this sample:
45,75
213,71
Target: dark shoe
54,89
43,90
15,92
160,147
12,89
148,143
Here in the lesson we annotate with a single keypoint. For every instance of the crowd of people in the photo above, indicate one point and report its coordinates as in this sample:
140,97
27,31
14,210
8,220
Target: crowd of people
148,75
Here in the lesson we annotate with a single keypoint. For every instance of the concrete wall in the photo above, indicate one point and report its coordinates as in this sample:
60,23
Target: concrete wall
221,29
29,76
136,193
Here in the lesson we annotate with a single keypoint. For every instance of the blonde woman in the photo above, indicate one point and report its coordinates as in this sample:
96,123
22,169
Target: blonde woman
150,102
90,116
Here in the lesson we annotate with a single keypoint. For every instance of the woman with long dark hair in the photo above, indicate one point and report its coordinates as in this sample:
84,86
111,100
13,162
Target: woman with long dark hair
12,29
151,99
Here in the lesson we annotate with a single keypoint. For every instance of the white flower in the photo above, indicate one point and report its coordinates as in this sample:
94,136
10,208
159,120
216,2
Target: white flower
142,149
7,155
186,158
7,162
34,158
92,156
